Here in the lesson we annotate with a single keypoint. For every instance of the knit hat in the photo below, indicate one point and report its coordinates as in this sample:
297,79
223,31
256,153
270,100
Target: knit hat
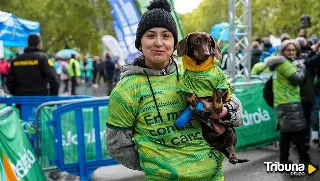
285,43
158,15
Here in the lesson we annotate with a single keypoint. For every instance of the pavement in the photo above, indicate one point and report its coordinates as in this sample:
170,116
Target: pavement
254,170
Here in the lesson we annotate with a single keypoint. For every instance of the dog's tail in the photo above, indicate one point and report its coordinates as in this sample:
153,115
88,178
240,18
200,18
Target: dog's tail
242,160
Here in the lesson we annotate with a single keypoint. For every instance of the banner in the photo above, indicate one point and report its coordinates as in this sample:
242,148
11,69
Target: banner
17,157
120,38
14,31
259,123
127,16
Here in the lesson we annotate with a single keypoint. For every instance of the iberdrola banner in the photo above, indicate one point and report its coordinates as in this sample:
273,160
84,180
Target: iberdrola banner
18,161
259,120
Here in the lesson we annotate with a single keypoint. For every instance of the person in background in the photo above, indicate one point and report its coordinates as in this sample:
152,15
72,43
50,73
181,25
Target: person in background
109,72
4,70
266,46
74,73
313,63
95,72
256,52
31,72
86,66
57,66
307,93
64,77
287,102
117,70
99,71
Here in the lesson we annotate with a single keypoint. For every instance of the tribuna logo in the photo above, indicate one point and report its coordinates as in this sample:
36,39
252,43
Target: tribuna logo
255,117
293,169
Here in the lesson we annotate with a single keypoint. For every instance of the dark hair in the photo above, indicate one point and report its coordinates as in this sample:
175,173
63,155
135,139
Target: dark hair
73,55
34,40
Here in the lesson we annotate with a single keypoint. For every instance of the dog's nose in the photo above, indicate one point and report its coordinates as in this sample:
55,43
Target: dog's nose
206,56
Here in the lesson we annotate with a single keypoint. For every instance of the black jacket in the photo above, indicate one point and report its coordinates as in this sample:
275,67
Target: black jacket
30,72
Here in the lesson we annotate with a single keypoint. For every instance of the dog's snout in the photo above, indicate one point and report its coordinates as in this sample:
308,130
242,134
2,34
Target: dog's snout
206,55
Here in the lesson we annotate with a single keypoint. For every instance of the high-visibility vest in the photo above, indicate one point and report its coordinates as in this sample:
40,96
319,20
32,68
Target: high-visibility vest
72,62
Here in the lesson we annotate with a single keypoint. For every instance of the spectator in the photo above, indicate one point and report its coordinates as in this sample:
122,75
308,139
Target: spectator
99,71
109,72
256,52
4,70
86,66
64,77
287,101
313,63
30,72
307,92
74,72
266,46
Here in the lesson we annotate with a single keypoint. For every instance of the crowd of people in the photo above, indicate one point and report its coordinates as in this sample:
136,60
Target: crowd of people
294,69
91,71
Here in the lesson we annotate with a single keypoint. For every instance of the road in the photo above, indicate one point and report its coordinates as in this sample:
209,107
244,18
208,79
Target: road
255,170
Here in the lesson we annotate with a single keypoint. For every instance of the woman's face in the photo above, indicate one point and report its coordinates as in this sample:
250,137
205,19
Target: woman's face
157,45
290,51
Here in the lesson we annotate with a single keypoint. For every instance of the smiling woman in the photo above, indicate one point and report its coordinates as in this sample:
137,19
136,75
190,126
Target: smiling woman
157,44
140,131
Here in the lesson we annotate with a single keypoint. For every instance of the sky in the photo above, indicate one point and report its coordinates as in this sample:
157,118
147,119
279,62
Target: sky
185,6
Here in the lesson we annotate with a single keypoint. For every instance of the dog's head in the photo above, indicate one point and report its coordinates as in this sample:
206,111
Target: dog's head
198,46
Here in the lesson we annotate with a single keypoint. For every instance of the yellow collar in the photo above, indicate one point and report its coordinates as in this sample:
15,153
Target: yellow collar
192,66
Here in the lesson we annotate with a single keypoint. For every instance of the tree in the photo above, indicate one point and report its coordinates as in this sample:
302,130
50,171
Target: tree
268,17
78,24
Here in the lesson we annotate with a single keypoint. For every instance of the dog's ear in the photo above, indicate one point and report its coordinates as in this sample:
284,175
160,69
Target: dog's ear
182,46
216,48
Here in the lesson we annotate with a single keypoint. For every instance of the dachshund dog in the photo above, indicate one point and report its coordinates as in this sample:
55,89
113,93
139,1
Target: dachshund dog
199,46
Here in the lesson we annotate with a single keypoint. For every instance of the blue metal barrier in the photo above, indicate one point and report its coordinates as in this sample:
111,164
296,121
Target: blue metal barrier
83,168
29,104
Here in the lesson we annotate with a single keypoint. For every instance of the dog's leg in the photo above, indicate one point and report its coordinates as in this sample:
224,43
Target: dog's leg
233,141
217,100
192,99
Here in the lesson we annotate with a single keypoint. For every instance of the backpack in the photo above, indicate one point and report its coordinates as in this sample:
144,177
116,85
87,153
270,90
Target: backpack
4,67
268,92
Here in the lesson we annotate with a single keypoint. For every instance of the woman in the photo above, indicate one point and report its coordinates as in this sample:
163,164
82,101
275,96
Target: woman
287,76
144,105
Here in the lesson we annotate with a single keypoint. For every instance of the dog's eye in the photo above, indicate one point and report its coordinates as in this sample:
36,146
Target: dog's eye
196,41
209,40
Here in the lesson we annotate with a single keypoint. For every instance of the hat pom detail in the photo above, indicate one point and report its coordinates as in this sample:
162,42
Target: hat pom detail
161,4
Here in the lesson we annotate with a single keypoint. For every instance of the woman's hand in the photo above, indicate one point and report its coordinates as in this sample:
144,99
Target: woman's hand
221,115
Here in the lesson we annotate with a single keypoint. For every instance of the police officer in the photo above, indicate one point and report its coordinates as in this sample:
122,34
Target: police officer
31,72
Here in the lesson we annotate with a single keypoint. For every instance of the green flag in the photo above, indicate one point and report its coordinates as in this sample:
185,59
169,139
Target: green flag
17,155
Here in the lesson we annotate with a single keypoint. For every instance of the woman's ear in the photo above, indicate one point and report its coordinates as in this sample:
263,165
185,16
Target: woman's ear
216,48
182,46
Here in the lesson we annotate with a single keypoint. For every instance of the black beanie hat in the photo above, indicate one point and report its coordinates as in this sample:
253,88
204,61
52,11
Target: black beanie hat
158,15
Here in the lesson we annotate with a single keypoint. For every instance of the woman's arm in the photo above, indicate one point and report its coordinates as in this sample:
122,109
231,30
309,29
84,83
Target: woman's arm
234,117
298,77
120,146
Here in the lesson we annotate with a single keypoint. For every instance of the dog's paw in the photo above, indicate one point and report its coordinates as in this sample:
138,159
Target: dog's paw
217,107
193,100
233,159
